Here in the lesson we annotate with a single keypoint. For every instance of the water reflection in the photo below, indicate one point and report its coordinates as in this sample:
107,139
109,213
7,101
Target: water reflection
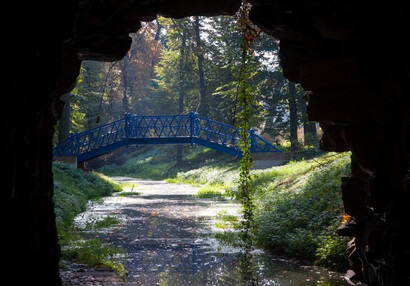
194,264
169,240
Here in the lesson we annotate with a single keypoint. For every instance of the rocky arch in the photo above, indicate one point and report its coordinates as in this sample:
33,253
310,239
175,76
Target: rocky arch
351,56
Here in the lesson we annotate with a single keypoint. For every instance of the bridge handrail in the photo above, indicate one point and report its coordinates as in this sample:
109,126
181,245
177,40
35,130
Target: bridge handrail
171,128
268,146
71,145
224,133
133,122
255,148
216,122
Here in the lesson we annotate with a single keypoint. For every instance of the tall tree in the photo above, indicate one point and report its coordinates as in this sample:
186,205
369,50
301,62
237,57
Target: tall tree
176,72
181,90
293,117
124,68
182,72
104,91
203,102
223,52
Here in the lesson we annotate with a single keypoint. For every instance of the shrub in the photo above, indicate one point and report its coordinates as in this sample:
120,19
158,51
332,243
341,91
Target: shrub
300,206
331,252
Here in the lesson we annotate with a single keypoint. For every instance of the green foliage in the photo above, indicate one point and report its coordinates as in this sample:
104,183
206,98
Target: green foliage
228,237
102,223
159,163
229,226
128,194
208,175
73,188
228,221
245,107
210,192
94,253
332,252
152,164
300,203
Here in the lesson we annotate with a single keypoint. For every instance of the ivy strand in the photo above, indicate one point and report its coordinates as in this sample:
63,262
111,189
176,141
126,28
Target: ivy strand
244,96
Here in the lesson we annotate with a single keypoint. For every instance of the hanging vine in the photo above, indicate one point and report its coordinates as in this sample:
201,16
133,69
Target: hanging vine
244,101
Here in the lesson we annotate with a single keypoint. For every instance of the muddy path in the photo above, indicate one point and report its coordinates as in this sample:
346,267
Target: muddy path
170,238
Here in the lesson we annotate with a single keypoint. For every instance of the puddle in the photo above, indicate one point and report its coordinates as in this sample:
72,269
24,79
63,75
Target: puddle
169,237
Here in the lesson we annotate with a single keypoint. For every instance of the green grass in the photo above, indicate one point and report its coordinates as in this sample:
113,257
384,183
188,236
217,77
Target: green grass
106,222
227,221
209,191
158,162
128,194
128,185
228,226
94,253
299,207
73,189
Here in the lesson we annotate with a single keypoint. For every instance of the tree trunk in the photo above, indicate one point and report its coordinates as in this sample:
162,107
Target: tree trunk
64,122
203,102
293,114
125,99
181,88
156,38
309,127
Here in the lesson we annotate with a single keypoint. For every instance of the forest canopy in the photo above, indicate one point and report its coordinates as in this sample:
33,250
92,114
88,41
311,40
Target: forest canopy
175,66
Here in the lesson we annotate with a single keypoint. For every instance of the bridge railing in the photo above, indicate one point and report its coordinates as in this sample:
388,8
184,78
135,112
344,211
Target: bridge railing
261,145
165,129
95,138
215,132
228,135
157,126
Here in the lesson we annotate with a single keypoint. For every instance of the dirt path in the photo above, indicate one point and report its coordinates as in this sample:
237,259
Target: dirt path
170,239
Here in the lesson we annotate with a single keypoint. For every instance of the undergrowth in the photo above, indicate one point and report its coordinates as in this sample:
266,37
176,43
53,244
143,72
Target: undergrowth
159,163
210,192
73,189
299,207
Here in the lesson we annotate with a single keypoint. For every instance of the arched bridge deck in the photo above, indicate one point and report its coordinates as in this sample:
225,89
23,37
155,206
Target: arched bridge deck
159,129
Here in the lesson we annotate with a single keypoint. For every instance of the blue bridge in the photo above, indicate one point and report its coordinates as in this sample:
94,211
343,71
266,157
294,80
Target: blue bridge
163,129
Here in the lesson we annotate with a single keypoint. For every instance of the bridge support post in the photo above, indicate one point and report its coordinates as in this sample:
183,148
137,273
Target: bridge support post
192,116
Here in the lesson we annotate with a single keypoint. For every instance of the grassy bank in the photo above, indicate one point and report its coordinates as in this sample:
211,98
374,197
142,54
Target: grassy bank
298,205
159,163
73,189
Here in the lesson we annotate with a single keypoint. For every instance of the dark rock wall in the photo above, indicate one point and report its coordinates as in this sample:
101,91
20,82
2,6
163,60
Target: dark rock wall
40,67
351,56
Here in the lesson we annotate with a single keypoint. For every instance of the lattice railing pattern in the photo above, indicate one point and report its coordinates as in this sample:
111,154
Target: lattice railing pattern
171,129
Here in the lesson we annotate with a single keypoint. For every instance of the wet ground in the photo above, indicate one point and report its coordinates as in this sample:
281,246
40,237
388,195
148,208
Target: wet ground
170,238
